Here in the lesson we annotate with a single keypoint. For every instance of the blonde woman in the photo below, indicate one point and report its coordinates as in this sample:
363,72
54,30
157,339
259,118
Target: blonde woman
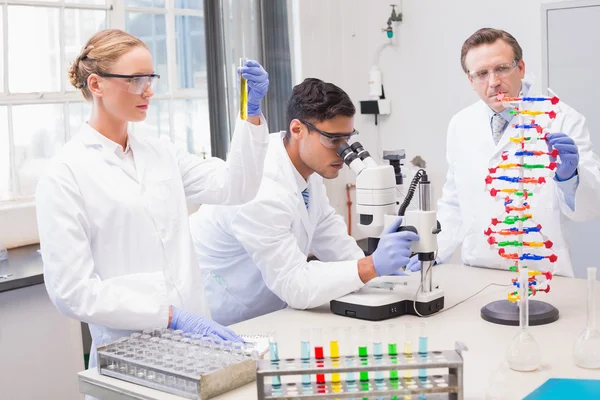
111,210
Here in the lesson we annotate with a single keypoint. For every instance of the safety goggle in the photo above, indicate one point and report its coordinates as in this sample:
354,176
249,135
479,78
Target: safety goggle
501,71
137,84
330,140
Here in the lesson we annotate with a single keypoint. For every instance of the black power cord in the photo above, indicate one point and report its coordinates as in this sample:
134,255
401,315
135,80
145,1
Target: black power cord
411,191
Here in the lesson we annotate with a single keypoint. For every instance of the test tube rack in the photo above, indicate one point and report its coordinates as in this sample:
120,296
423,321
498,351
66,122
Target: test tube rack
121,361
449,386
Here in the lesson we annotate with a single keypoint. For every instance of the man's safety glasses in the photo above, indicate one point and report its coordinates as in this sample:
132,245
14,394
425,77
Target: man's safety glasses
501,71
137,83
330,140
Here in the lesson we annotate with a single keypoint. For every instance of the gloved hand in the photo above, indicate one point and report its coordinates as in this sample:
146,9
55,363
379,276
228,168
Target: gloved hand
393,250
414,265
196,324
258,84
568,152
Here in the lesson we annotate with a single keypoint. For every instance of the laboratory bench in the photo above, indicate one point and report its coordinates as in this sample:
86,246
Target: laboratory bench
487,343
22,268
36,341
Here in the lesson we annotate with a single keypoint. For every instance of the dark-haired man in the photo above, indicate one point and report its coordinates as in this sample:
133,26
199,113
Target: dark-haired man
254,256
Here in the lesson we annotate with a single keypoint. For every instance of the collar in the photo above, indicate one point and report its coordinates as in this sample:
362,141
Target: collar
301,183
525,86
92,137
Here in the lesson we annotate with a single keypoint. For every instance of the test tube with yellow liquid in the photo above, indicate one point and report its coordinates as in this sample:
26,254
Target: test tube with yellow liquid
243,93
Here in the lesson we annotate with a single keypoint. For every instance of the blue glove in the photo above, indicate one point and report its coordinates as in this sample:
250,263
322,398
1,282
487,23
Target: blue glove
568,152
414,265
258,84
196,324
393,250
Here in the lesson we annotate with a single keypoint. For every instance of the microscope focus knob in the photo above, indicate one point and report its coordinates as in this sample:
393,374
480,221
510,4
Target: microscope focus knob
438,229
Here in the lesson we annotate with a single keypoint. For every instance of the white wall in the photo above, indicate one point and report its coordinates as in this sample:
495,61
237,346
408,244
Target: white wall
421,71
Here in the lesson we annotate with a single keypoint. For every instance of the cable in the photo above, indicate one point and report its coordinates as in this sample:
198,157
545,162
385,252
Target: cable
451,307
411,191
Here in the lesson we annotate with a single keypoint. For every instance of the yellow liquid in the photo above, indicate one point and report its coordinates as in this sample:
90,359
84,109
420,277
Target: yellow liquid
243,99
408,354
334,352
334,349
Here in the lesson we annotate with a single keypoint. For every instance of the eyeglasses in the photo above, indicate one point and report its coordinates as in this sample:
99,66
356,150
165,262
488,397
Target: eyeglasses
330,140
501,71
137,83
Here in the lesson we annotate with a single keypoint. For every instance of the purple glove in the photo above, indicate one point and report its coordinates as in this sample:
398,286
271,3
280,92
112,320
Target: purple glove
568,153
196,324
393,250
414,265
258,84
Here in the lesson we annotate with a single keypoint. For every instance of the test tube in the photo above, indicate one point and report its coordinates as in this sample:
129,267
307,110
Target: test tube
317,340
334,344
377,351
349,346
376,338
334,353
152,350
145,338
156,332
423,349
135,336
393,349
305,354
408,349
148,332
238,351
363,353
274,354
362,342
243,93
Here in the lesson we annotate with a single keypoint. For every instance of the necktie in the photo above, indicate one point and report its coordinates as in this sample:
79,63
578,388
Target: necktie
498,124
305,196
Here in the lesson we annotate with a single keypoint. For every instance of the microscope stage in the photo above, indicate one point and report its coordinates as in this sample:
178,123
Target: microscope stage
387,298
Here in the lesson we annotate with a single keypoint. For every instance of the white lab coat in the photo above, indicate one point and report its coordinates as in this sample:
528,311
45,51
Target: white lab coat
116,246
254,256
465,209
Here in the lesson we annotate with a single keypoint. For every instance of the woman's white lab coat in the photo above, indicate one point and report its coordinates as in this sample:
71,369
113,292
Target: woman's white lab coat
465,209
115,242
254,255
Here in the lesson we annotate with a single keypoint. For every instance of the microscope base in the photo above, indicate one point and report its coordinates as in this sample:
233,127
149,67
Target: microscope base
377,303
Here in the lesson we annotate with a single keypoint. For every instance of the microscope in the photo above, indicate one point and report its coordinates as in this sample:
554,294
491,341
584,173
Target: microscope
377,206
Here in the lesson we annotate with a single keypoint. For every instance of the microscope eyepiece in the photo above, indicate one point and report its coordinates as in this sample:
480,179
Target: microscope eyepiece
360,151
357,147
346,153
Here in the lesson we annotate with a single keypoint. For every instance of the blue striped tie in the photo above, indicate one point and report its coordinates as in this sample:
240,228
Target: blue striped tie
306,196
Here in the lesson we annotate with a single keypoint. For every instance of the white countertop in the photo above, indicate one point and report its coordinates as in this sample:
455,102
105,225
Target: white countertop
487,342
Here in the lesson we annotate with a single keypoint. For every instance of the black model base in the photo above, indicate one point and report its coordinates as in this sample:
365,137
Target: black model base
504,312
385,311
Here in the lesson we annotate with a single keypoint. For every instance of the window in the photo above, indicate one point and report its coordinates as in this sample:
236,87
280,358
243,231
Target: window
176,40
40,111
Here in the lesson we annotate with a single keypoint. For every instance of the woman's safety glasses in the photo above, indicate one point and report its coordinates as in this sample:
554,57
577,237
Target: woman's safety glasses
330,140
137,83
